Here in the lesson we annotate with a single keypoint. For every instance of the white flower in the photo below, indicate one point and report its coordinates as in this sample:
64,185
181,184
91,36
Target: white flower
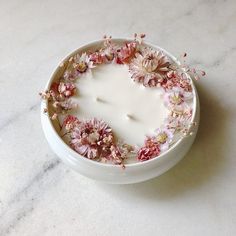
164,137
176,99
179,123
149,67
82,63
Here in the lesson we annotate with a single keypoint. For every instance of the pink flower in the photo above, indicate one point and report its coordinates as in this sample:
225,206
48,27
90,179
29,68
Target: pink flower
77,65
117,155
178,123
150,149
104,55
82,63
155,144
149,67
70,74
164,138
70,122
176,98
96,58
177,79
126,53
67,89
92,138
181,110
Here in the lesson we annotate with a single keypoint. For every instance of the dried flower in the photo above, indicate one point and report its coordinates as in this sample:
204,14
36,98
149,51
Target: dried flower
70,122
117,155
176,98
77,65
104,55
149,67
82,63
92,138
150,149
164,137
181,110
96,58
177,123
67,89
70,73
126,53
177,79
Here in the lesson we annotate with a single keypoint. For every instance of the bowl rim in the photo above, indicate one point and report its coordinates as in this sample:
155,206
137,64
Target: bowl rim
44,104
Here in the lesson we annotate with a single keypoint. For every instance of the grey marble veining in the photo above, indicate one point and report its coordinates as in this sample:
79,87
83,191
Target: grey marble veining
39,195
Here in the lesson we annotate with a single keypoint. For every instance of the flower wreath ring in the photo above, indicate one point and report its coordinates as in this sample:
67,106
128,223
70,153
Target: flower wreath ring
151,66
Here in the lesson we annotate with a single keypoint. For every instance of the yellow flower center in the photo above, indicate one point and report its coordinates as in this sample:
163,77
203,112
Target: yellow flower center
82,66
176,99
162,137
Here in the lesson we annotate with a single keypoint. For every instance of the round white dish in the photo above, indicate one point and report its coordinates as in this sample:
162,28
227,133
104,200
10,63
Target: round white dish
109,173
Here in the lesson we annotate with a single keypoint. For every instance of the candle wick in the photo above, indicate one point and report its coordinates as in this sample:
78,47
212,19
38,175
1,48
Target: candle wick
130,117
98,99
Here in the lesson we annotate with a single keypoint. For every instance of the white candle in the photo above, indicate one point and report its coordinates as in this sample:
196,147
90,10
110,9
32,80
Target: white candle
102,83
131,109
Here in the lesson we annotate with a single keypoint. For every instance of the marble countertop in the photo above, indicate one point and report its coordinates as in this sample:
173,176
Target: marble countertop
39,195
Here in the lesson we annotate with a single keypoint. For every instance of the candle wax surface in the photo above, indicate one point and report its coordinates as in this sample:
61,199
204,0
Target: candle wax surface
130,109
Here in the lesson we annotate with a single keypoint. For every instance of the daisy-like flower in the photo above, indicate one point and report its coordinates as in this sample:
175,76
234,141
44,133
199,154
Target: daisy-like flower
70,73
126,53
154,145
70,122
97,58
82,63
67,89
150,149
105,55
149,67
176,98
164,137
177,79
92,139
77,65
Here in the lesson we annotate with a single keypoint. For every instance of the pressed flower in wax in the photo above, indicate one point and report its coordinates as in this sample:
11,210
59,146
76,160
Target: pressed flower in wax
149,67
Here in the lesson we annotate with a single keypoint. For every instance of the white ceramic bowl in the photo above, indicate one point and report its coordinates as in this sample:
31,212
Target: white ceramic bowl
133,173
